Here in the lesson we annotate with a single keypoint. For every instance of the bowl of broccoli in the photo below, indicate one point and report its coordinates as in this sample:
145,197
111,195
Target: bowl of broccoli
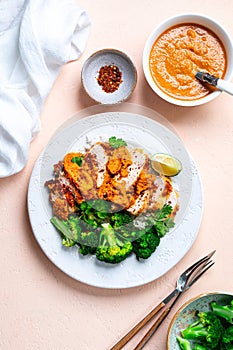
203,323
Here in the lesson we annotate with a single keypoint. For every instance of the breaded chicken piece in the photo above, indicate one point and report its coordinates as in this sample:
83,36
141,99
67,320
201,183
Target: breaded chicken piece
140,204
121,176
61,208
115,192
99,150
87,177
63,194
71,168
145,181
125,167
139,163
119,161
165,194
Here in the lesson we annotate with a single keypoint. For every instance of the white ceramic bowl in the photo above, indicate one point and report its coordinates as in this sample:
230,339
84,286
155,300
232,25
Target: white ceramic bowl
106,57
202,20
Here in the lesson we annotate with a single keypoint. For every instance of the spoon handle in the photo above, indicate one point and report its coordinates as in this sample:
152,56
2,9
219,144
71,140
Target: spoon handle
225,86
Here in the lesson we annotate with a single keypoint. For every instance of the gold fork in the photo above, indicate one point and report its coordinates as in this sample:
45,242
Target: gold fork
184,282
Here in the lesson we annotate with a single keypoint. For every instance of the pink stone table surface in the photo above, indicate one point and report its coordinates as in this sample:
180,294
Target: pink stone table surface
41,308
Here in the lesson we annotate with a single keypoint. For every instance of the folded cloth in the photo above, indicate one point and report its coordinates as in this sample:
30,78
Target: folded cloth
37,38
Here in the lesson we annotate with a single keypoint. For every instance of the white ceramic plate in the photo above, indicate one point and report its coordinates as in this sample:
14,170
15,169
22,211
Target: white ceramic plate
153,137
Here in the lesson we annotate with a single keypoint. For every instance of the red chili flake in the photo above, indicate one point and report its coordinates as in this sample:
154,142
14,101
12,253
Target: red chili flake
110,78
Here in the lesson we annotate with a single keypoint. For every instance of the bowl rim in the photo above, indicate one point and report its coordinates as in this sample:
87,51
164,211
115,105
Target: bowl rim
119,53
183,306
188,17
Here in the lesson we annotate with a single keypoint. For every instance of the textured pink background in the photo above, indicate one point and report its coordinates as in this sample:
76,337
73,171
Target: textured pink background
43,309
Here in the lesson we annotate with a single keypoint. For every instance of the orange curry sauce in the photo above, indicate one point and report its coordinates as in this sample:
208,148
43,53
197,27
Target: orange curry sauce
179,53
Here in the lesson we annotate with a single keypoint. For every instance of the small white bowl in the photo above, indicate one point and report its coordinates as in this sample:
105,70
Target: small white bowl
204,21
106,57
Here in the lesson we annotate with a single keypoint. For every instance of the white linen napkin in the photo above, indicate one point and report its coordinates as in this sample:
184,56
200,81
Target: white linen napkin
37,37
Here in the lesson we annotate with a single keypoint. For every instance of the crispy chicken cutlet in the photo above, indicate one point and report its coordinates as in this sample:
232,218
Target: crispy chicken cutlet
121,176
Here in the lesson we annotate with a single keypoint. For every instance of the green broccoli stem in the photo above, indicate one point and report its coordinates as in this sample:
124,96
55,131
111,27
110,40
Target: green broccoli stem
183,343
199,347
108,236
194,331
62,226
225,311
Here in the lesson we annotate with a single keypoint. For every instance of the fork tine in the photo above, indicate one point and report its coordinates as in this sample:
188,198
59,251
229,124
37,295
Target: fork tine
200,267
192,274
166,311
211,254
205,268
193,267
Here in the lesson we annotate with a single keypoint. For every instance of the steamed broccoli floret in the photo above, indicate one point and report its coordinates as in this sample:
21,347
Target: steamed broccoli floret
93,213
228,346
88,242
199,347
121,218
111,249
70,229
225,311
183,343
208,327
146,244
227,338
225,346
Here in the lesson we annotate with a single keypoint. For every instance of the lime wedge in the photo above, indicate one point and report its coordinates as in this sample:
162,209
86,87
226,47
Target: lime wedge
165,164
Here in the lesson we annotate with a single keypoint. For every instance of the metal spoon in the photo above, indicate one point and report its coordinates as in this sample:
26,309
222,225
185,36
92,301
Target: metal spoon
220,84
